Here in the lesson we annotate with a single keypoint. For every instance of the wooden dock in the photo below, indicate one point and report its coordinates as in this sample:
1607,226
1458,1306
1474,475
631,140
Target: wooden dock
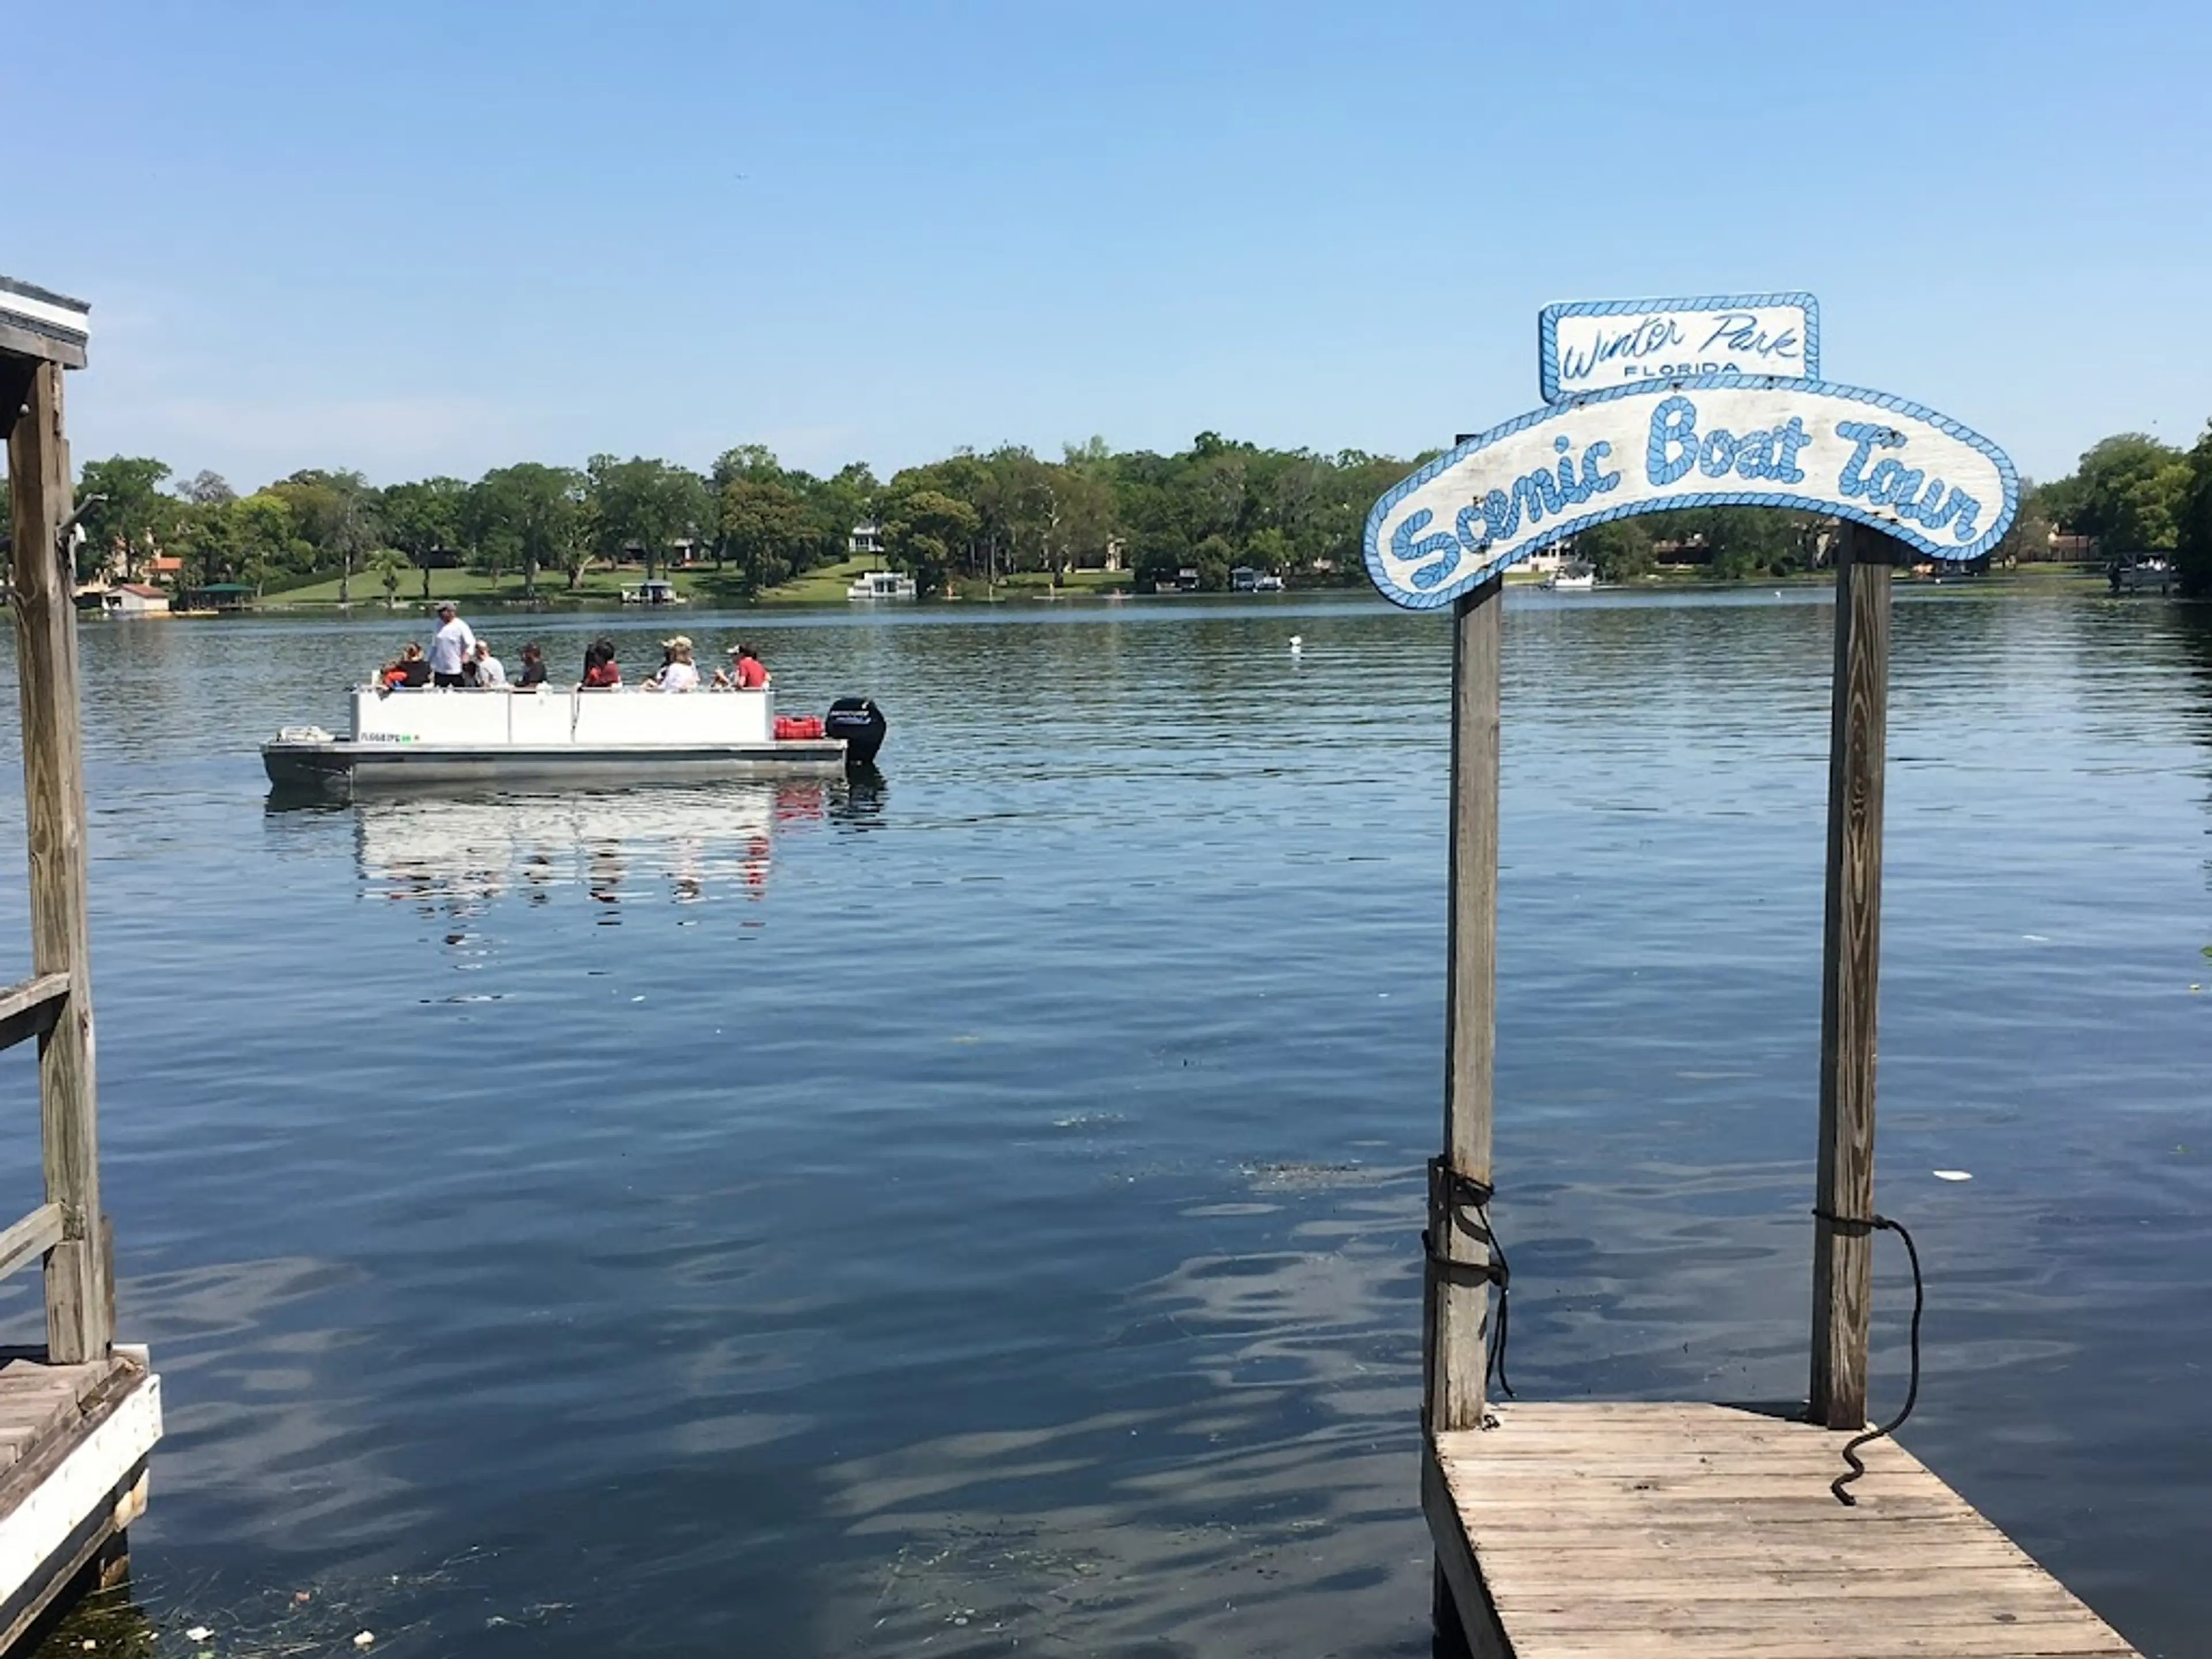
74,1444
79,1415
1589,1531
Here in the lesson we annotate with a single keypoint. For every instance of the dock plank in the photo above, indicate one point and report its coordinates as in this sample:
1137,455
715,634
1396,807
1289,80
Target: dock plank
1615,1531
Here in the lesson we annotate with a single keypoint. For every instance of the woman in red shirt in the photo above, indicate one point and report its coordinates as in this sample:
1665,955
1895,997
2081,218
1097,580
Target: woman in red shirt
600,669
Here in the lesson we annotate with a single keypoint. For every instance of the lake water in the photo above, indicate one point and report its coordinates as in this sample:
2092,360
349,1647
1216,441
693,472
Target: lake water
980,1213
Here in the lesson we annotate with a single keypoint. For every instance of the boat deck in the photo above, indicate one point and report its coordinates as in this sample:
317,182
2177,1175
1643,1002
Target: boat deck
74,1440
1621,1531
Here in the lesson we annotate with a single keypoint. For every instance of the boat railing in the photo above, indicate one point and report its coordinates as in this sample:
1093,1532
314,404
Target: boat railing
559,716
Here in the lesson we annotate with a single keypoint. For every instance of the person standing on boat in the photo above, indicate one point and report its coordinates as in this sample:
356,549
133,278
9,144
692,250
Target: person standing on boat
451,647
491,672
677,674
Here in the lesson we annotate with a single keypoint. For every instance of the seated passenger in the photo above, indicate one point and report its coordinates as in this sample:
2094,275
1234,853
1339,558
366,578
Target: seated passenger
746,672
491,672
676,673
533,667
600,669
410,668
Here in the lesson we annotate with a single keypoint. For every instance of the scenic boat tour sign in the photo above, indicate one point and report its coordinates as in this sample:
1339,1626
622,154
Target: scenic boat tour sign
1716,439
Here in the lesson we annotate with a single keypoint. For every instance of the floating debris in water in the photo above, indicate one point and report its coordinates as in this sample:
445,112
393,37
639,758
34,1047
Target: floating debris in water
365,1639
1952,1175
1309,1175
198,1633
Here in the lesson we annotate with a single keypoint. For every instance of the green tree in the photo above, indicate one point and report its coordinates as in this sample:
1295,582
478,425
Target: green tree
423,518
387,565
766,527
2193,533
530,517
1213,556
2128,494
205,488
266,537
1619,551
1268,547
130,519
2027,538
645,505
925,530
334,514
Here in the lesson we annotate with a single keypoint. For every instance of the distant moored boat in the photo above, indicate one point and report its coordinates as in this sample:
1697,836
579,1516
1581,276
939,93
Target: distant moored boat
882,585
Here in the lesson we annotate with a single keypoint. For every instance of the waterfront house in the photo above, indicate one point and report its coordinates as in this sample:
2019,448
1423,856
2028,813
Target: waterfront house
865,540
134,599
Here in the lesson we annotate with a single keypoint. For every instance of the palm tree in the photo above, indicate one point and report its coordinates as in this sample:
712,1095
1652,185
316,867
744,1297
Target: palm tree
388,565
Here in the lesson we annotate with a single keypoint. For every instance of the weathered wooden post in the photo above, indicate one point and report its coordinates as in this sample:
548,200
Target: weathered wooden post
78,1324
1457,1322
1850,963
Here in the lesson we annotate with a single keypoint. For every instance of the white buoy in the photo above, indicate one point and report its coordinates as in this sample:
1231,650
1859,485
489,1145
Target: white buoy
1298,643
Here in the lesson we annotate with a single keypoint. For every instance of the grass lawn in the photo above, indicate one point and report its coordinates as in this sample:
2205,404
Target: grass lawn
824,584
469,588
1036,584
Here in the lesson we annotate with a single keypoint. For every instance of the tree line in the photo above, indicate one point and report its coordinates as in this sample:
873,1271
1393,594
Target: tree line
988,516
2128,495
982,516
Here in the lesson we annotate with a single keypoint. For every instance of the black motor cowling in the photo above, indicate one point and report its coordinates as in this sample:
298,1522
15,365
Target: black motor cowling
862,725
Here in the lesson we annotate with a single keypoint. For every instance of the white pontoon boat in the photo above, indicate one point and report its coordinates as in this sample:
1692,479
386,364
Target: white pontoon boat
413,738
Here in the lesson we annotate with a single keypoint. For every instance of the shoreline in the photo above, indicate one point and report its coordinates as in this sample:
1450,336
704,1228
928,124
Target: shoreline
2039,579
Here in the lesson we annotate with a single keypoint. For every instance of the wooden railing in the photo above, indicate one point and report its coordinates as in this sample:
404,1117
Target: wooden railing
31,1009
53,1006
26,1012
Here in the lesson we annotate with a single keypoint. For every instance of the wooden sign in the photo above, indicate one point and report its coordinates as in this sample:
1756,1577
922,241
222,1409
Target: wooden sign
39,324
1595,345
1711,440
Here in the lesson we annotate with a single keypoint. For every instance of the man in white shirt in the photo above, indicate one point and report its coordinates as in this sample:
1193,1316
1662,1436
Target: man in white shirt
491,672
450,647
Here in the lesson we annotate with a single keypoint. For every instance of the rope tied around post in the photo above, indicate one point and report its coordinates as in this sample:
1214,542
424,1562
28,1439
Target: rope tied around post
1470,1196
1881,1223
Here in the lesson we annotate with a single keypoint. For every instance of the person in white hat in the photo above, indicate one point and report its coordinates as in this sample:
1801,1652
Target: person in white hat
677,674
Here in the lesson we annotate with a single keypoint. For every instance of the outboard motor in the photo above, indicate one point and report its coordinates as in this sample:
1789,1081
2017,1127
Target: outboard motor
862,725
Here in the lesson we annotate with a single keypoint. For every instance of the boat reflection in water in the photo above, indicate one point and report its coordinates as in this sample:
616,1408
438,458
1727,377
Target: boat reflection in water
457,857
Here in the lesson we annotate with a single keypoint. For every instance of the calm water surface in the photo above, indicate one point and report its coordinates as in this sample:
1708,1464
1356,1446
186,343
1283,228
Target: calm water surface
980,1213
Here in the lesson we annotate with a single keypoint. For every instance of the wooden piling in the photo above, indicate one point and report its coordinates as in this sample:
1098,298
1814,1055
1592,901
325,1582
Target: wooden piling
77,1329
1457,1303
1843,1251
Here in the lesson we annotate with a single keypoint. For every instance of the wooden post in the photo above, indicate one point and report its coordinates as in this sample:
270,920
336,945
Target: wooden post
1457,1318
1850,963
54,809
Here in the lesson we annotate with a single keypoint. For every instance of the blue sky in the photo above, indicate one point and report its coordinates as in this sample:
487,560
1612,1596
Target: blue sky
415,237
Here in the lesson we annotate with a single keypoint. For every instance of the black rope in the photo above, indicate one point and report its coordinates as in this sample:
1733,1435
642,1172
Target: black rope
1475,1195
1912,1388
